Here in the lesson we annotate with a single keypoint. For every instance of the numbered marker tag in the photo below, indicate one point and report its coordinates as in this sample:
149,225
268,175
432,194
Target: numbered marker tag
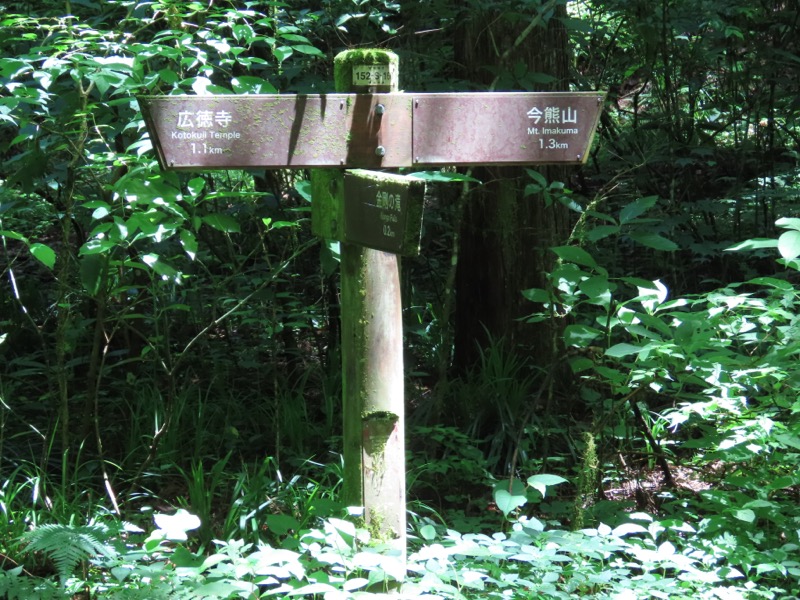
364,75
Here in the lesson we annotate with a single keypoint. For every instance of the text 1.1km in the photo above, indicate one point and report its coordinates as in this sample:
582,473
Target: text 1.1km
205,149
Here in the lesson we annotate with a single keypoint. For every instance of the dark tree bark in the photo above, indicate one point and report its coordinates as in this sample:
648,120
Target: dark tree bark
504,236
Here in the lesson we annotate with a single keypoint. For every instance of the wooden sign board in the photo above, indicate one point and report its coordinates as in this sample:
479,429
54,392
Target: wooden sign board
280,131
371,130
504,128
383,211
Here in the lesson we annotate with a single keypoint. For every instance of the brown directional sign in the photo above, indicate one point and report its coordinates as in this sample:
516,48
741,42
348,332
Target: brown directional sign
371,130
228,132
504,128
383,211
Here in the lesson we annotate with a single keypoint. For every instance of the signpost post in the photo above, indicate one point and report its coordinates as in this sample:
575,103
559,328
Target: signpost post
375,215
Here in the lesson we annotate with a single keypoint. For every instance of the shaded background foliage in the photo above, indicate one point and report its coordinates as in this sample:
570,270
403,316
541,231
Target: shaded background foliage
159,321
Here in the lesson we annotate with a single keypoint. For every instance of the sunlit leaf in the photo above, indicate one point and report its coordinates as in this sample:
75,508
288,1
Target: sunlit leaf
44,254
580,335
508,501
175,526
622,349
789,244
544,480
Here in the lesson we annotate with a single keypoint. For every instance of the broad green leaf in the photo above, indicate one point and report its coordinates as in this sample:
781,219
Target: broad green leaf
225,588
428,533
597,286
620,350
789,244
224,223
575,254
653,240
789,223
282,524
91,268
13,235
744,514
754,244
508,501
282,53
601,231
304,189
541,482
537,295
195,186
580,335
189,243
95,247
154,261
636,208
246,84
44,254
306,49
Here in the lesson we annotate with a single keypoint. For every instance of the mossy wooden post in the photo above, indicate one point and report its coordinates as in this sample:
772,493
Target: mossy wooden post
372,342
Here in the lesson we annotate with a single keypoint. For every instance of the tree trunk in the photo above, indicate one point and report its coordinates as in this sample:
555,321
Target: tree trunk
504,236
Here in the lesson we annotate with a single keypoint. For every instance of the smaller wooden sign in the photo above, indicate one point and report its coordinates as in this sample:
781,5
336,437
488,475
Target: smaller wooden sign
383,211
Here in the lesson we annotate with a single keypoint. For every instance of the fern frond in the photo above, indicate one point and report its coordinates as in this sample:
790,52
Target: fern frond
69,545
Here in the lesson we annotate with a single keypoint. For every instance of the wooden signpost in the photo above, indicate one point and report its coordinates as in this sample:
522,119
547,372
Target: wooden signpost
375,215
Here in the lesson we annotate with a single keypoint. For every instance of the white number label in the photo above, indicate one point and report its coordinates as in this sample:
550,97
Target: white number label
371,75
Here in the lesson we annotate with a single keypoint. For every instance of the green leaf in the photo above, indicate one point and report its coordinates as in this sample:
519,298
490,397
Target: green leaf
195,186
576,255
224,223
789,244
306,49
636,208
189,243
282,524
580,335
754,244
154,261
91,268
44,254
601,231
653,240
788,223
246,84
282,53
541,482
95,247
744,514
537,295
620,350
595,287
428,533
508,501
